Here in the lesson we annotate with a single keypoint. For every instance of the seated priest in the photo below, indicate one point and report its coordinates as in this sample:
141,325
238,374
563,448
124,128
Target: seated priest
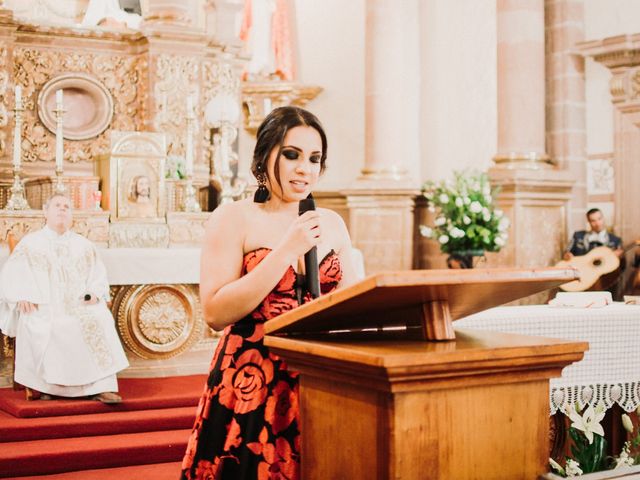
53,294
584,241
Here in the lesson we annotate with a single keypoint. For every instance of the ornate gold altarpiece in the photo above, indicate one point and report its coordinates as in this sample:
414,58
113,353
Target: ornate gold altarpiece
142,79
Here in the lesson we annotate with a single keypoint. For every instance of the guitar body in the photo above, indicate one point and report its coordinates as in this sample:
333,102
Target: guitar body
598,262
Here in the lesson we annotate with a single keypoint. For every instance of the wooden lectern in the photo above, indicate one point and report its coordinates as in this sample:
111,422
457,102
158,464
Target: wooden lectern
381,399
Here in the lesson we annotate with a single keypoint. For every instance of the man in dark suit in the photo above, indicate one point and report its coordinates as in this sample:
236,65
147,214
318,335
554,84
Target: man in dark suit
584,241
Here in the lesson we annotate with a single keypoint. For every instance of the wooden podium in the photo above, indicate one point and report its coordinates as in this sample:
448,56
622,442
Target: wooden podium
380,401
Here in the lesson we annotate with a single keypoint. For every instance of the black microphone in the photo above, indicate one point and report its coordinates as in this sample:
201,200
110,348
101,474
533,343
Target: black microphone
311,257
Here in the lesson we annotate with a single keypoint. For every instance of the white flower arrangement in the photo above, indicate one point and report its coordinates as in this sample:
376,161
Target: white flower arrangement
466,218
588,448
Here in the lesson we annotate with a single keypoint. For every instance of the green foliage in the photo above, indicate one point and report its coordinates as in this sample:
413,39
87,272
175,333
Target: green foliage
466,218
590,456
175,167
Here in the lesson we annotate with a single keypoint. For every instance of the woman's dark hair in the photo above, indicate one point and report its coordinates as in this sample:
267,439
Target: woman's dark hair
271,134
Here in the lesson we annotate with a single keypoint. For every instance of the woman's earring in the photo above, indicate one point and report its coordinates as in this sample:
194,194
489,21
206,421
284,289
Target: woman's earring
262,193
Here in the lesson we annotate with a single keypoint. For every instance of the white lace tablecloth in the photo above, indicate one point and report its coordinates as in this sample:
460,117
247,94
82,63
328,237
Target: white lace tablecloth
610,370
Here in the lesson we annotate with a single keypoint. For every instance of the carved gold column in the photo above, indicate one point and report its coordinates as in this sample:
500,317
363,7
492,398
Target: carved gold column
381,201
622,56
534,193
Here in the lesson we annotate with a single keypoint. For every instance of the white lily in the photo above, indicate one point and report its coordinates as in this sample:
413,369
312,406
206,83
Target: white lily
556,466
589,421
624,460
573,468
627,423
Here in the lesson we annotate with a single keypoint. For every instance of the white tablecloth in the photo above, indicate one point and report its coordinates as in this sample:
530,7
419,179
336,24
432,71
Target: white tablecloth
133,266
140,266
610,369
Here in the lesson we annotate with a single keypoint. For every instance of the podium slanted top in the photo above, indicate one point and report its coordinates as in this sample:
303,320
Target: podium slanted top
424,302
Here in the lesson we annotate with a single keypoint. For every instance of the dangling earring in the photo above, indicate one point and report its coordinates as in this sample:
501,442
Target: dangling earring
262,193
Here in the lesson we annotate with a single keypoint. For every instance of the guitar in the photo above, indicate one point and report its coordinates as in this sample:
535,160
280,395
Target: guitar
598,262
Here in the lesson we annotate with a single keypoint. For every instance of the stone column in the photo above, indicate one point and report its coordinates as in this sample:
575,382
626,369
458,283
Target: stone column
566,120
521,93
381,201
534,193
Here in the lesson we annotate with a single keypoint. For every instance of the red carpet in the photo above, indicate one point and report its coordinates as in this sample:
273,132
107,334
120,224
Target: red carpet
137,394
157,471
143,437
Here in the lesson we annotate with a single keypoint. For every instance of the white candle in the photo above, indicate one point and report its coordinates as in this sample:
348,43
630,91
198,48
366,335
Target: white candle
17,130
189,146
59,144
189,106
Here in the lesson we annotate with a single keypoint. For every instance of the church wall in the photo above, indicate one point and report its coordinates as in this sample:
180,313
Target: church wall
603,20
458,86
331,55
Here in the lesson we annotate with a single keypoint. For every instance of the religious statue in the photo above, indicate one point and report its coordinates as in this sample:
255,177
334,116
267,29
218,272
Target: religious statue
267,35
139,199
107,13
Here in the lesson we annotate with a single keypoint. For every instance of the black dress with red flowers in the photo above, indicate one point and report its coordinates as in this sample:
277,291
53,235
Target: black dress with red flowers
246,424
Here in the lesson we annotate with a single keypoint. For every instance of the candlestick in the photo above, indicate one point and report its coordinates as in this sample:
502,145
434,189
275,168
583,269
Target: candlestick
17,130
191,204
59,111
189,143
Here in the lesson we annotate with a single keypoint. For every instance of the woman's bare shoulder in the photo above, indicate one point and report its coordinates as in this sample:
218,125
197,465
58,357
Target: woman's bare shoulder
233,213
331,216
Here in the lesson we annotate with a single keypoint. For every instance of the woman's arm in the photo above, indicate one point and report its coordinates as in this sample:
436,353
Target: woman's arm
343,248
225,295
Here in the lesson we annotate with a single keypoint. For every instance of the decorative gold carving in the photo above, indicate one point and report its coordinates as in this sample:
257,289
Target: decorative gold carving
96,107
177,78
4,88
186,229
635,83
260,98
176,194
33,68
617,87
92,225
158,321
79,188
138,235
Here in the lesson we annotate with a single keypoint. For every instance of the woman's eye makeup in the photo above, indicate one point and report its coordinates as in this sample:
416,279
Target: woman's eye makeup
290,154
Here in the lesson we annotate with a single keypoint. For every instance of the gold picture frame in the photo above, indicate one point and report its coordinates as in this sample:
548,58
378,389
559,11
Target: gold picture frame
136,178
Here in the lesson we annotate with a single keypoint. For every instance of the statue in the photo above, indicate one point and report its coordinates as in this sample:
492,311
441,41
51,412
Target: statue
266,32
107,13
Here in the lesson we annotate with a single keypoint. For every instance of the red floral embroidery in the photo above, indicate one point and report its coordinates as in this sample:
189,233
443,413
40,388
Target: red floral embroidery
281,407
233,436
279,463
234,342
244,387
207,470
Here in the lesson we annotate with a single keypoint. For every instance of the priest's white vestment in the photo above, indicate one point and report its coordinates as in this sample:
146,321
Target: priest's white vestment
65,347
